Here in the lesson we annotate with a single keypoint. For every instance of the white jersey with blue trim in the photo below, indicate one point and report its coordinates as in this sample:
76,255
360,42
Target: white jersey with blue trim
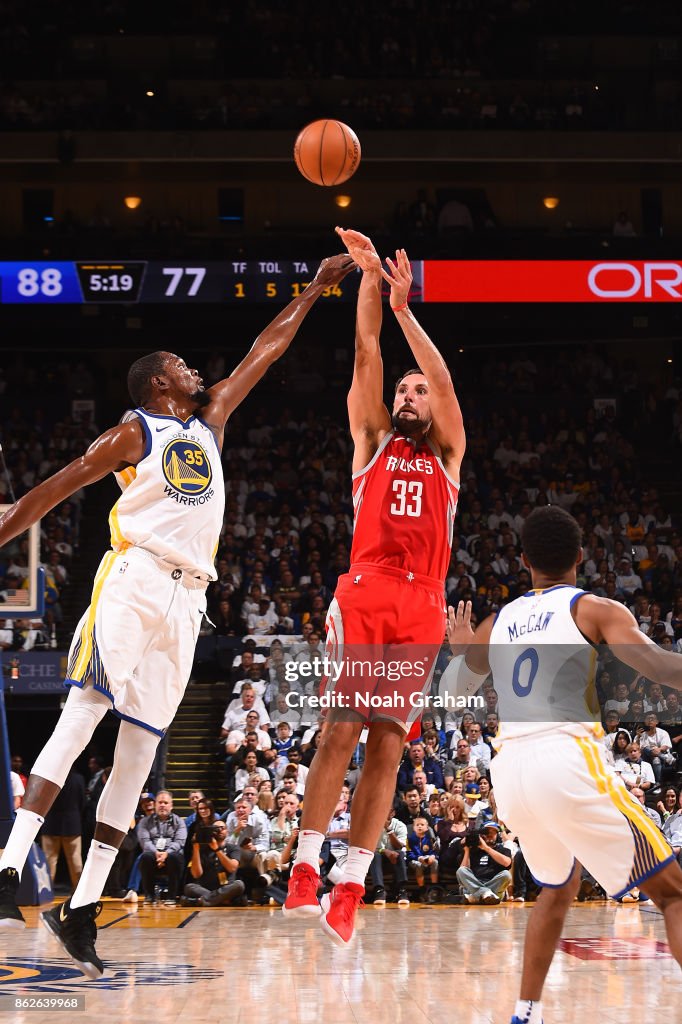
543,668
174,499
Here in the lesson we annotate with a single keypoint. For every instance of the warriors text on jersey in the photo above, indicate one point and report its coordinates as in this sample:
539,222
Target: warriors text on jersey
404,505
543,667
173,500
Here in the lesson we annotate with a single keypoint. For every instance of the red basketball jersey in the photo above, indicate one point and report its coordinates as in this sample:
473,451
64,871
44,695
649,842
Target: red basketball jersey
404,506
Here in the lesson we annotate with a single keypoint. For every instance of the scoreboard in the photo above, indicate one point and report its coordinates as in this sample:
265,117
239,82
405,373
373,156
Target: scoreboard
279,281
130,281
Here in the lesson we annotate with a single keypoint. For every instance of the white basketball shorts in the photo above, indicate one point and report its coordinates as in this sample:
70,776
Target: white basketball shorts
136,641
557,794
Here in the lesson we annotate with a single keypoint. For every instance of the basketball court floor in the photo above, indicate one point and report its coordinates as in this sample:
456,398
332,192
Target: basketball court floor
446,965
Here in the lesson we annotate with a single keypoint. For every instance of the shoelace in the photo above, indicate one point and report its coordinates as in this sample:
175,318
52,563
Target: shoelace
348,903
301,879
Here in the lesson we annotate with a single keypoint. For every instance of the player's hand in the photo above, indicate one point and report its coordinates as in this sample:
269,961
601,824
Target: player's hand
361,249
399,278
460,630
333,270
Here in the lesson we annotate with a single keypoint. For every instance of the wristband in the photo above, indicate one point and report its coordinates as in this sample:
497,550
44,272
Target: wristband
398,309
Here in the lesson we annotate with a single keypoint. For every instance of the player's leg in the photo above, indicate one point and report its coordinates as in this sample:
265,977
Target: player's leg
323,785
543,932
73,923
665,889
83,711
371,802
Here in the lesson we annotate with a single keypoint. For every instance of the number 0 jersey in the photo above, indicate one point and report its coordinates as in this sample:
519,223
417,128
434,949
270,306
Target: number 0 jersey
404,505
174,499
543,668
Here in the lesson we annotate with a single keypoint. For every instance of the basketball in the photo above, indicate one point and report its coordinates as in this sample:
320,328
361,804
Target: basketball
327,152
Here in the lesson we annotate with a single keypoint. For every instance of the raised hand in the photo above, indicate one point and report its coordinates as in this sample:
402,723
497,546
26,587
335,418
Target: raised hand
332,270
399,278
361,249
460,630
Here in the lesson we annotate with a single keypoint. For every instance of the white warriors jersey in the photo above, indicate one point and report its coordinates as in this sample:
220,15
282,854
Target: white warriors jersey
174,499
543,668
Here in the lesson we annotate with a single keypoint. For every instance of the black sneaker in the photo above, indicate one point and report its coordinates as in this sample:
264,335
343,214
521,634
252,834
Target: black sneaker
190,901
378,896
10,915
76,931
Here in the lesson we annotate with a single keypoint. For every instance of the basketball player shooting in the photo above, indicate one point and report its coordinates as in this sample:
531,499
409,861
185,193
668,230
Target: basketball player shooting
553,788
390,605
133,649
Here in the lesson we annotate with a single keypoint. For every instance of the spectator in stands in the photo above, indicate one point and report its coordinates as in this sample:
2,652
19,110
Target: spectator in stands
414,759
391,845
162,837
62,828
658,743
451,831
479,748
213,868
193,798
235,715
485,873
410,807
283,834
672,829
422,853
454,769
633,770
204,816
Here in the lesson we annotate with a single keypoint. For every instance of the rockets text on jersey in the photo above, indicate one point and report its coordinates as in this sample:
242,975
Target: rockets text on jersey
404,505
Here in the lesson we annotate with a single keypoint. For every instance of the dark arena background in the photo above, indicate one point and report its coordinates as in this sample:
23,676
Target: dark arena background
528,158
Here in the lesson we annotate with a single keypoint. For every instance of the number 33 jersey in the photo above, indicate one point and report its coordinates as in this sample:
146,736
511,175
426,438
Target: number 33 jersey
404,506
543,668
174,499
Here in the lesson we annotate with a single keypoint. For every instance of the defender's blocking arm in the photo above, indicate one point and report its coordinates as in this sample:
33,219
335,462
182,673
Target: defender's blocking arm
271,343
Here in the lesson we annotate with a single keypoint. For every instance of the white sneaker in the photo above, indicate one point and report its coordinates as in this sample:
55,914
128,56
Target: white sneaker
130,896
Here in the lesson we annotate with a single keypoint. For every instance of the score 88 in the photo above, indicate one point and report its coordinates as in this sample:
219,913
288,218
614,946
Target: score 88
48,282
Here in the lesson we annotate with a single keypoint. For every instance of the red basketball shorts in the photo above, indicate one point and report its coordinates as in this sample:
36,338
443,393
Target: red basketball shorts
385,629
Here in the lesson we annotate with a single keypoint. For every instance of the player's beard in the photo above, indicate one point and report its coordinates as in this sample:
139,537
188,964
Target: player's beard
409,426
201,399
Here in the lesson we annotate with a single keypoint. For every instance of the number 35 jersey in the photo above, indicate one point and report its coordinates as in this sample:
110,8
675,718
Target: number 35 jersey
404,506
174,499
543,668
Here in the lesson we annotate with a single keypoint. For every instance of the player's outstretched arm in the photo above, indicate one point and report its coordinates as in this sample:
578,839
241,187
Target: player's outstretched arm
272,343
369,418
603,620
123,445
470,666
448,425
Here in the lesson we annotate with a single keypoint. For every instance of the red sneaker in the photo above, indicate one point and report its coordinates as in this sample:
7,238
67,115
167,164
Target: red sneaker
301,898
338,911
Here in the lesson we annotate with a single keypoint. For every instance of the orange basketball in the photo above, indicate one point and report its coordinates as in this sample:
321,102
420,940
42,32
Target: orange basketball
327,152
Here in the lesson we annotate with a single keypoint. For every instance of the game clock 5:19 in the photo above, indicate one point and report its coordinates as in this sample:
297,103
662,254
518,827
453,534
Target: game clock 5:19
111,282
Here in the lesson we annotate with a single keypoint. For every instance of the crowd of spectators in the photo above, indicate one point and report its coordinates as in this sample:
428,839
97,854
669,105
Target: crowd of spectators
35,445
495,44
466,104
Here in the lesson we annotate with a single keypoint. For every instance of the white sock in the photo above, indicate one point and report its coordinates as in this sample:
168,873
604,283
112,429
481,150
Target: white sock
357,865
95,873
24,830
529,1011
309,846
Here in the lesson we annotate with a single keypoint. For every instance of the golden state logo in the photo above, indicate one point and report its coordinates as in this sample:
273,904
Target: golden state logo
188,473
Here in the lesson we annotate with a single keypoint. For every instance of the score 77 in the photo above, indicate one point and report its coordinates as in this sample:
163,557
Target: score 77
176,274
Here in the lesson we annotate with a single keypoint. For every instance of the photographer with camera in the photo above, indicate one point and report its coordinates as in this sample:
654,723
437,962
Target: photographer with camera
162,837
213,865
484,874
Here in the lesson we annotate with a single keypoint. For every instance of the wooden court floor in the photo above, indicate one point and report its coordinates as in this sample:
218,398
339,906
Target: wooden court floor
418,965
